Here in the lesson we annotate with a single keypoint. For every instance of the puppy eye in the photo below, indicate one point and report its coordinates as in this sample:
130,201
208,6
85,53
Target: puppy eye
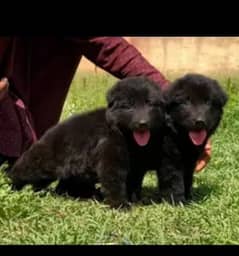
155,104
124,105
207,102
186,101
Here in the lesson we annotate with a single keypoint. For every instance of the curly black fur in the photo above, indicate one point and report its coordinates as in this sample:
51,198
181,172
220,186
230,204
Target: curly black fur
194,103
113,146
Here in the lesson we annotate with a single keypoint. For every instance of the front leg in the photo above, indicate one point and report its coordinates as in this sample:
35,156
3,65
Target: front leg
189,170
171,180
134,185
113,170
188,181
171,171
171,187
113,187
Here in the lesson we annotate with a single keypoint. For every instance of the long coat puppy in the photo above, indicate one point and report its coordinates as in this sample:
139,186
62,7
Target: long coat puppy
194,108
113,146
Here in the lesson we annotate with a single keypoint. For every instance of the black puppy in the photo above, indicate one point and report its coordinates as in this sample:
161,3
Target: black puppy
113,146
136,115
194,108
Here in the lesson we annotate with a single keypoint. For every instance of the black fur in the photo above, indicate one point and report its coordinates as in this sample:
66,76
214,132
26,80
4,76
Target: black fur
193,102
99,147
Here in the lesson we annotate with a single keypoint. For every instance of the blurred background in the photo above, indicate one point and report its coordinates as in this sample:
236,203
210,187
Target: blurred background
179,55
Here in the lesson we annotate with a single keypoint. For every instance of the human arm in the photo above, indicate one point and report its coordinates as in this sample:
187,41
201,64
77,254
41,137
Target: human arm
121,59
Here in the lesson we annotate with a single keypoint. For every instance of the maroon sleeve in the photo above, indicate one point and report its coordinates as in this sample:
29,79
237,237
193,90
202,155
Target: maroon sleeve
120,58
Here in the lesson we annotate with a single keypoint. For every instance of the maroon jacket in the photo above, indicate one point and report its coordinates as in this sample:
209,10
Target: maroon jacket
40,71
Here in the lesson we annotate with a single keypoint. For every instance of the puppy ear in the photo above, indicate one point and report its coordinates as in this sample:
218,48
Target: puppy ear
109,100
110,104
169,123
110,96
112,122
168,96
220,95
109,117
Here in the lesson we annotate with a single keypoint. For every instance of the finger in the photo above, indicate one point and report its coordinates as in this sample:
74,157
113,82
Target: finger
208,147
200,165
3,87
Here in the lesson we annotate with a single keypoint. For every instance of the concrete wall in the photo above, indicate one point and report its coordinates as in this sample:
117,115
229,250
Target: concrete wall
186,54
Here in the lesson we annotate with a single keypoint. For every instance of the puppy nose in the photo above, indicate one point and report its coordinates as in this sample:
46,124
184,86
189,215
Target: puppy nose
142,124
200,124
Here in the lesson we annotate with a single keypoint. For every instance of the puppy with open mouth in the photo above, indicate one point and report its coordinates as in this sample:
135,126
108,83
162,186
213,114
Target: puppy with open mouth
194,109
113,146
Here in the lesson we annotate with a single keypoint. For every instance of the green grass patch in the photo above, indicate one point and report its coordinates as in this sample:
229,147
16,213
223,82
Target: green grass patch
42,218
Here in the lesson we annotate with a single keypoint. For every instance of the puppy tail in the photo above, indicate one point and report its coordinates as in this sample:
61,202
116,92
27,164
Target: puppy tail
32,168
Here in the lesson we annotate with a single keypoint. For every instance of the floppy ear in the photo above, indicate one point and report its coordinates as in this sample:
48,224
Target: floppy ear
169,96
111,122
166,100
220,95
109,99
110,96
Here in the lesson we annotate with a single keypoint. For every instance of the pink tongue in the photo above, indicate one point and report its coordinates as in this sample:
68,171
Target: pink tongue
198,137
142,138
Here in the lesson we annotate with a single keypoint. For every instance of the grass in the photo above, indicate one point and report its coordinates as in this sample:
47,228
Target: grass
42,218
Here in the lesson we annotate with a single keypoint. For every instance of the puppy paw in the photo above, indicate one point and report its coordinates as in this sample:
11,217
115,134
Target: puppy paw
134,197
119,205
174,200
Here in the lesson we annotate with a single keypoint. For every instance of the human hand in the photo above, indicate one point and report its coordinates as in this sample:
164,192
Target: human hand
204,158
3,87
